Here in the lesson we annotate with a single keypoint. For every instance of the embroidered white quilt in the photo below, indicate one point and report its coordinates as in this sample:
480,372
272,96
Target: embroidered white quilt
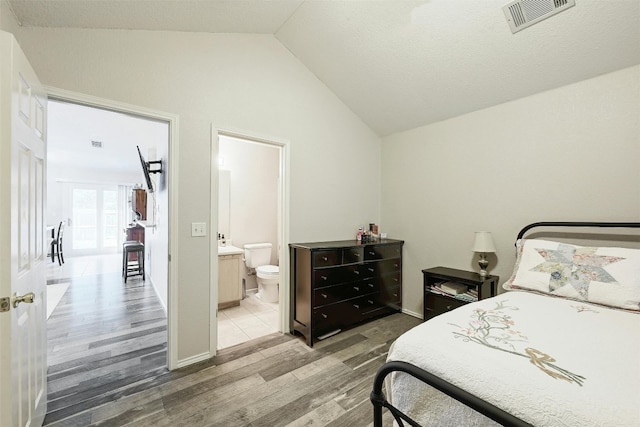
548,361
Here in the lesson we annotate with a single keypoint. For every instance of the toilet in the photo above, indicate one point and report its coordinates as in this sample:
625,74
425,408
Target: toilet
258,256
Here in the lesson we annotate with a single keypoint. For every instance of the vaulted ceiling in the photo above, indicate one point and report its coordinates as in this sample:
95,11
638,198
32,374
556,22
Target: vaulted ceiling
398,64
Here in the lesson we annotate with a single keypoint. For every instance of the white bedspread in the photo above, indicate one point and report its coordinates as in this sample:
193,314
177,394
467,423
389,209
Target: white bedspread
549,361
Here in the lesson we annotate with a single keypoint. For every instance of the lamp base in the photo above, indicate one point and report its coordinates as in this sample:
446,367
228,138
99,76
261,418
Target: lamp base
483,263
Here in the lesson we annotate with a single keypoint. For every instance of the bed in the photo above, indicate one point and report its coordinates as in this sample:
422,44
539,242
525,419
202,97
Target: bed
561,348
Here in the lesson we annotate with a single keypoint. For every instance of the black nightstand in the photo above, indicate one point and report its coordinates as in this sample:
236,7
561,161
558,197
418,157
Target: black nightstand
437,302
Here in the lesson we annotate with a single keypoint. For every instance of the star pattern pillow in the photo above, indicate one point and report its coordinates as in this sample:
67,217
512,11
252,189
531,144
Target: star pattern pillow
601,275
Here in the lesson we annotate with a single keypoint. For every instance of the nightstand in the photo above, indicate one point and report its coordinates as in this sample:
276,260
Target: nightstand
472,286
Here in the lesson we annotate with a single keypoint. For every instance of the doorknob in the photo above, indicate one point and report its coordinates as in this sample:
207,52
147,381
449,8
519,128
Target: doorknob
28,298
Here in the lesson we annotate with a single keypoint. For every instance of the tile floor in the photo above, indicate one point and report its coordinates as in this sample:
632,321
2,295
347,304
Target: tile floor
252,319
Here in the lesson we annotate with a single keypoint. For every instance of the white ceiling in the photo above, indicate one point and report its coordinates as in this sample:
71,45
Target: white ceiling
398,64
72,128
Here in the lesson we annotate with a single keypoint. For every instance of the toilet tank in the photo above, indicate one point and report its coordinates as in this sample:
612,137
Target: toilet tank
257,254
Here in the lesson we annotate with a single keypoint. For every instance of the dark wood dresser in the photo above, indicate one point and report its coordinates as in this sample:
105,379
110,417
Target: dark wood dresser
336,285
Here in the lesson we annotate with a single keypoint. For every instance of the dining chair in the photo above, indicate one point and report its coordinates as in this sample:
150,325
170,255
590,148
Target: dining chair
56,245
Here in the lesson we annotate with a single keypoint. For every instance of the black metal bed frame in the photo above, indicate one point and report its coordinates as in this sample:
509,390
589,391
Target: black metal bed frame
491,411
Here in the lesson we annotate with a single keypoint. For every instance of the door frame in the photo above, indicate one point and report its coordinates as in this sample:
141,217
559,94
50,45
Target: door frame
283,232
172,179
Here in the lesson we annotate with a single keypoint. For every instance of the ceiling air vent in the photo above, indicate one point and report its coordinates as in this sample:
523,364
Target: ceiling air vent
521,14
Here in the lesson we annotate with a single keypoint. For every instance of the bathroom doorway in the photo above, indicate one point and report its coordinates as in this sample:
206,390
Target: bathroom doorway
250,195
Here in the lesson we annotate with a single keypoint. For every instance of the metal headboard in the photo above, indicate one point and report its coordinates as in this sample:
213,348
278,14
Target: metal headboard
578,224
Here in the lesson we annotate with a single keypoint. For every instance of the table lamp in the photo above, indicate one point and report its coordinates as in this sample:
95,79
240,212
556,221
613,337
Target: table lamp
483,245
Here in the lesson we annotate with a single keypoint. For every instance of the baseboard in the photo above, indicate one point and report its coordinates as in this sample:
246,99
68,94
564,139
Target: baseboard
412,313
155,289
193,359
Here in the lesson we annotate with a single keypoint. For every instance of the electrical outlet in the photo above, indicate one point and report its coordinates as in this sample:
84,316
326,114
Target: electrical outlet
198,229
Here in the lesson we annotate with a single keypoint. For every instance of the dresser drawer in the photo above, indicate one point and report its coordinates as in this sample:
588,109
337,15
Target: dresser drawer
327,318
352,255
335,316
438,304
345,291
327,258
391,280
365,305
323,277
392,297
389,265
342,314
382,252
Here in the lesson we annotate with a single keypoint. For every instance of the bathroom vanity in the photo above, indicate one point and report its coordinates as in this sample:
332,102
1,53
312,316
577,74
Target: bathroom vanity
336,285
230,266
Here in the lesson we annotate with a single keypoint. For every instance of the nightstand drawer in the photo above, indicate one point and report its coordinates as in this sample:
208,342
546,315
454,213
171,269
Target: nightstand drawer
438,304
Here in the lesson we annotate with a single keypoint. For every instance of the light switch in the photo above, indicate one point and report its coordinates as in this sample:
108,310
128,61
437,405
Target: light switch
198,229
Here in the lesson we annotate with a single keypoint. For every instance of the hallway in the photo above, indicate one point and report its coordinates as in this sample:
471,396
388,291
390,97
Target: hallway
106,340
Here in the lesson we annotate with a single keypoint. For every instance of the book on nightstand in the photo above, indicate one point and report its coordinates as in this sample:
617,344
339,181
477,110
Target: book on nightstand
453,288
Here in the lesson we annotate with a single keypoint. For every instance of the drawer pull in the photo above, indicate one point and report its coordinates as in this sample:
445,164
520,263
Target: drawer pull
324,295
324,315
396,265
370,269
323,277
448,307
370,301
395,279
356,288
372,253
356,305
324,258
395,295
370,285
356,272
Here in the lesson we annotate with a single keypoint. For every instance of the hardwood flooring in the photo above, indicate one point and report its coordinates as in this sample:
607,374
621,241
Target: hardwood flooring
107,345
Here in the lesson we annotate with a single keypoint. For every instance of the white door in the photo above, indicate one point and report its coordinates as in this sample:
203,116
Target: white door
23,365
95,219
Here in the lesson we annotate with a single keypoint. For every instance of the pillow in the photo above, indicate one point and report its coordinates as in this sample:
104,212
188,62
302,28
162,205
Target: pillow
600,275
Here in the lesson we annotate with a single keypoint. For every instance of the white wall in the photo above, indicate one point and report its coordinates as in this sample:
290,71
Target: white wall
254,171
246,83
157,237
569,154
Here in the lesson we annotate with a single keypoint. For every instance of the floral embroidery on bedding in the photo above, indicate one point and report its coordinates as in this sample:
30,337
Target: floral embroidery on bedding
495,329
581,308
575,266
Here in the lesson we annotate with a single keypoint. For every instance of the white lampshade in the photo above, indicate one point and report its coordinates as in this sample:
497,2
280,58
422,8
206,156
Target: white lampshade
483,242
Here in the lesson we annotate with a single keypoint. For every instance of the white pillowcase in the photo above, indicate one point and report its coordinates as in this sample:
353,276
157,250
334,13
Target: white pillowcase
601,275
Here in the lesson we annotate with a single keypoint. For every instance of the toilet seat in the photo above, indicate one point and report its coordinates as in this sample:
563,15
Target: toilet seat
268,271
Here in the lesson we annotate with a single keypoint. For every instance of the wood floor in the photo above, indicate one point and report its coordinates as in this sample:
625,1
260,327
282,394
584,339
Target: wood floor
107,367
